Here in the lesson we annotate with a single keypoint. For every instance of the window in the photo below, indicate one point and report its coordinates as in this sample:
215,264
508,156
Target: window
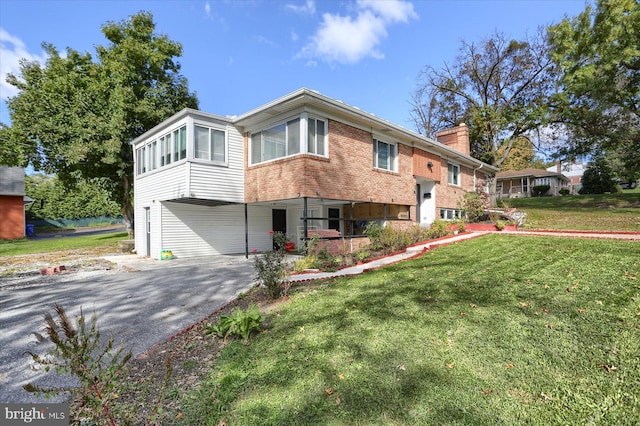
209,144
276,142
180,143
453,176
316,132
165,150
524,182
142,168
384,155
451,214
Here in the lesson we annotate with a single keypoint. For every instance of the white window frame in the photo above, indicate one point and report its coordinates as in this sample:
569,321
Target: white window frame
316,146
392,159
211,132
453,177
451,214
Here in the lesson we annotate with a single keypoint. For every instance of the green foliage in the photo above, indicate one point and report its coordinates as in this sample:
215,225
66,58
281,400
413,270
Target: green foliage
271,267
78,351
439,228
540,190
473,206
498,87
93,109
53,201
598,178
564,191
240,323
598,54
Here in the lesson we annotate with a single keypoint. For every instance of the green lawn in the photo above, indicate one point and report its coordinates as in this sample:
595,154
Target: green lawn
501,329
606,212
24,246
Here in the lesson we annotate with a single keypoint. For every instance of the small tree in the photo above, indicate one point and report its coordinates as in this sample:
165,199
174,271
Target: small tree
473,206
598,178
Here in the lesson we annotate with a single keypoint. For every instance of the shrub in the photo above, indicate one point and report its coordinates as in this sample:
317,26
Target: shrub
564,191
240,323
79,352
271,267
598,178
540,190
374,230
439,228
473,206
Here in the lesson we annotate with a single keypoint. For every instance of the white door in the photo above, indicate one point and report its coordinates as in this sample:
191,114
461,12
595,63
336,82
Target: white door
427,203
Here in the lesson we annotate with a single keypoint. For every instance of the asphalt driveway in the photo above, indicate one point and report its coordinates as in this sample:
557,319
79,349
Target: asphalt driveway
140,308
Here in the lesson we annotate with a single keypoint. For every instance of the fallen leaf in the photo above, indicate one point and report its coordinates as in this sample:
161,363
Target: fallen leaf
545,396
223,422
486,392
328,391
463,314
473,305
545,286
549,325
302,328
598,302
523,304
179,416
581,310
508,365
630,276
402,367
609,368
338,400
451,365
340,376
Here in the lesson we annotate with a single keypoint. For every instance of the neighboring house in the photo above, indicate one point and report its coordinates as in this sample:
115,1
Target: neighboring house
572,170
519,183
208,184
12,201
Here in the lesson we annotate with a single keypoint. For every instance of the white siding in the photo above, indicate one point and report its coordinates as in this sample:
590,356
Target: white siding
219,182
192,230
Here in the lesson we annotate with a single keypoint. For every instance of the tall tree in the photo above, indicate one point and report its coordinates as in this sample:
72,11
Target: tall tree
75,117
521,156
498,87
598,53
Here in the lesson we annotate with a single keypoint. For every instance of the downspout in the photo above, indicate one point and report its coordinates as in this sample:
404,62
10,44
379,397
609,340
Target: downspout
246,232
304,218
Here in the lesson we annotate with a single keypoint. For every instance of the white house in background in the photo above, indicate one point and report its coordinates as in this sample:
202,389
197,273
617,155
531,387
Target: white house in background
572,170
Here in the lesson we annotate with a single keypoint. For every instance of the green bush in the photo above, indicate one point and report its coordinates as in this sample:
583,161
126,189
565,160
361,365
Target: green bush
540,190
473,206
439,228
240,323
564,191
271,267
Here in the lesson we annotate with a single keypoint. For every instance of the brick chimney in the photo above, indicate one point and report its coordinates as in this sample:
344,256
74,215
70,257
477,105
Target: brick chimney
456,138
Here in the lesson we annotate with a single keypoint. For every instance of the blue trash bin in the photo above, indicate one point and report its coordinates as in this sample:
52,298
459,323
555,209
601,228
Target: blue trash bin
30,229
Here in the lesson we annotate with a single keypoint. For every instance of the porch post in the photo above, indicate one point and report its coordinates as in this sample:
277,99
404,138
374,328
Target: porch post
304,217
246,232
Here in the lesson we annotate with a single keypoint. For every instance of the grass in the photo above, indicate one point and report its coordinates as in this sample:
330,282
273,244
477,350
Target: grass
501,329
603,212
25,246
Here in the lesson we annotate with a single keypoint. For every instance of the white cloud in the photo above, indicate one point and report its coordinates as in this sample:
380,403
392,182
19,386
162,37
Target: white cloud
12,50
294,36
349,39
207,9
309,8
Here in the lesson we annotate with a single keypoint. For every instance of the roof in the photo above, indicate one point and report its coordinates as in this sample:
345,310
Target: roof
535,173
307,98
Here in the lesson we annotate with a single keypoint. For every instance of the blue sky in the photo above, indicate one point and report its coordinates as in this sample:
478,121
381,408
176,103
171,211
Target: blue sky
239,55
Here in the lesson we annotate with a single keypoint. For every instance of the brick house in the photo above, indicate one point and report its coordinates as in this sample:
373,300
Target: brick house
12,201
519,183
208,184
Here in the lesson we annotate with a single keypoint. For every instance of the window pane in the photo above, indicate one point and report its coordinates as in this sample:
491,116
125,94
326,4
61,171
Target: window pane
162,148
153,155
383,155
293,137
176,145
183,142
256,148
202,142
320,137
311,136
167,149
274,143
217,145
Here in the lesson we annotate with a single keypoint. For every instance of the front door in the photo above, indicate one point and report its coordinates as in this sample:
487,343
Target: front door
279,221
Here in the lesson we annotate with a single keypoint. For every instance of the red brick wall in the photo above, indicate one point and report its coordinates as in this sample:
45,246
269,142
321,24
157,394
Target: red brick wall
456,138
348,173
11,217
449,196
